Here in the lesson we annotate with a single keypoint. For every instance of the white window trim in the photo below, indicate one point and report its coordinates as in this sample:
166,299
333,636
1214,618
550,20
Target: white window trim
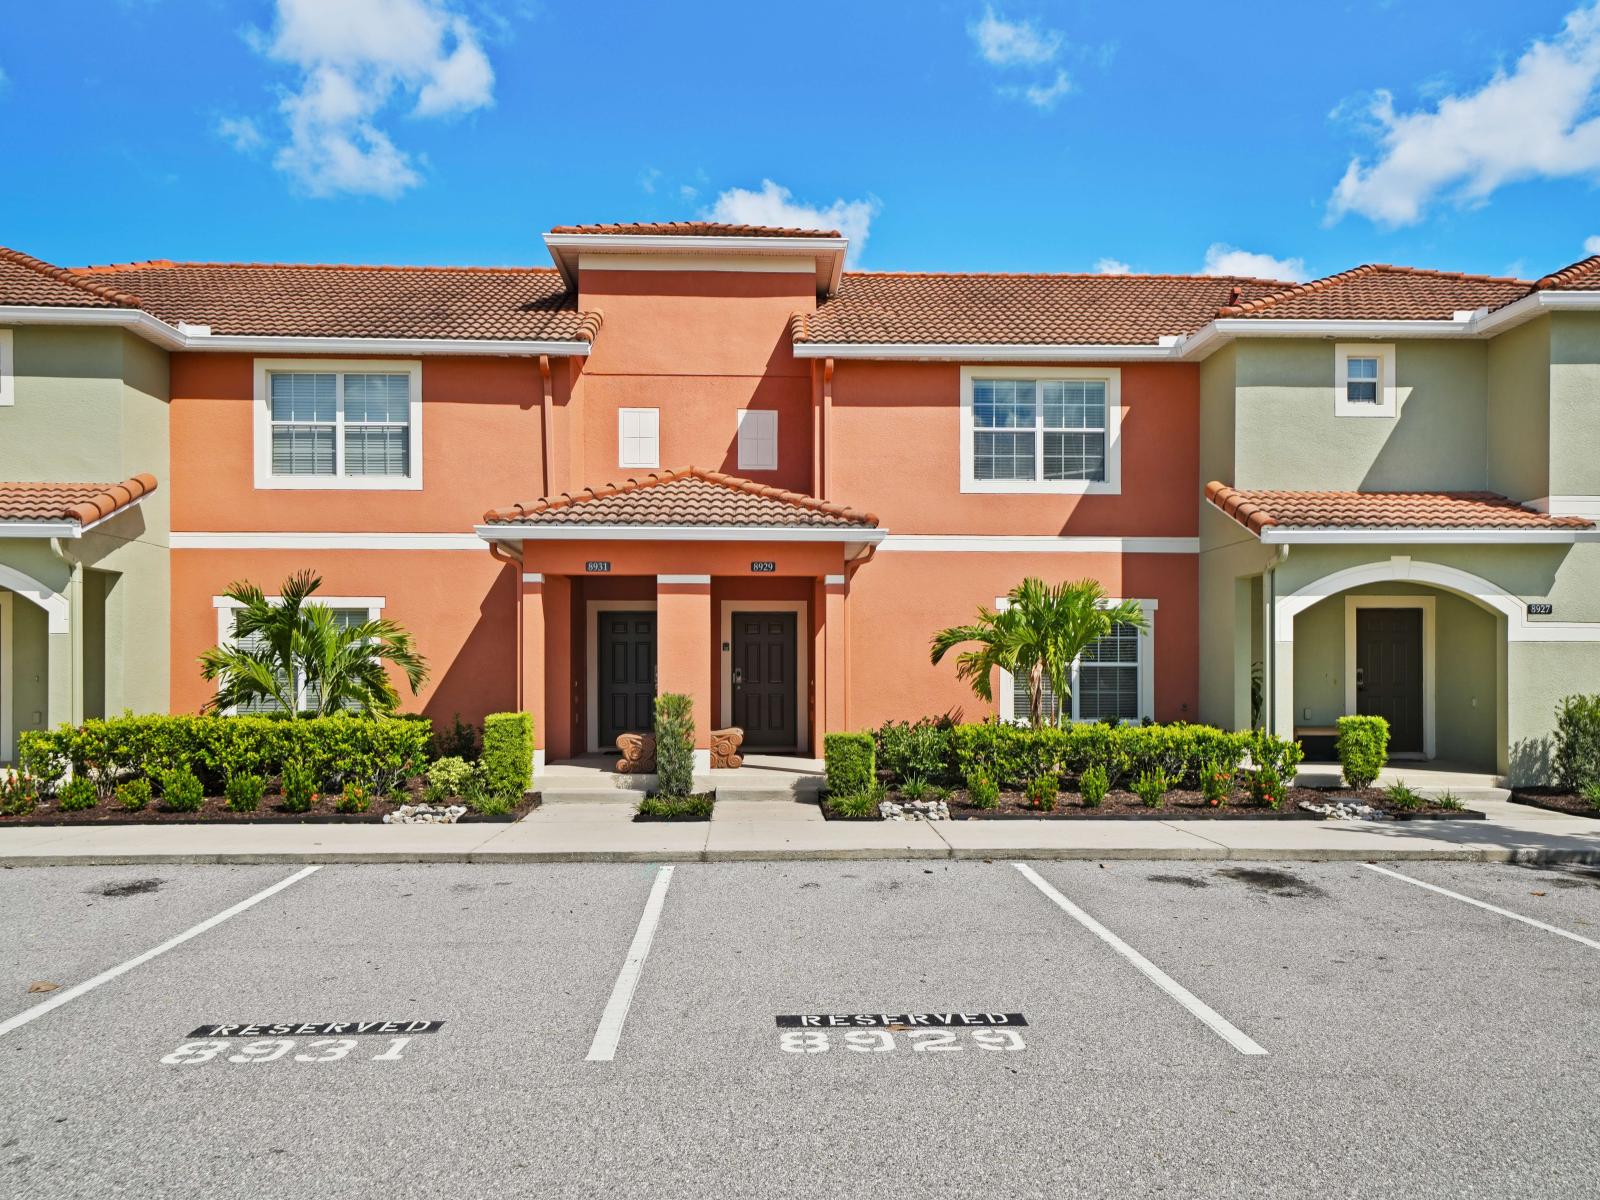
226,606
641,461
266,480
8,369
1388,396
1430,740
1111,485
1147,671
751,461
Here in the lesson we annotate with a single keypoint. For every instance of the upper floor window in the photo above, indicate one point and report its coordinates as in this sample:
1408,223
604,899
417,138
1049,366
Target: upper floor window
638,437
1041,429
346,425
8,369
1364,380
758,439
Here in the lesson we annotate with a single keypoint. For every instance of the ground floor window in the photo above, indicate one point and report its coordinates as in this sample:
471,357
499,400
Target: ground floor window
1112,680
346,615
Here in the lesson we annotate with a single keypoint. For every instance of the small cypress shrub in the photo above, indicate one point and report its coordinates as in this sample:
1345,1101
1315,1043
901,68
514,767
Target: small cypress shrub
244,793
182,791
674,728
1093,786
299,787
1363,748
507,759
78,794
1151,787
134,796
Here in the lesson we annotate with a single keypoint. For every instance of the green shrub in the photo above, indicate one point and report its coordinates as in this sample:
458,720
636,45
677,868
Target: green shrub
1400,796
1592,795
915,789
1577,748
244,792
493,806
446,777
1281,757
858,806
19,792
79,794
1093,786
42,757
357,798
1011,754
1041,792
459,741
1216,784
676,808
851,762
982,791
1363,748
182,791
674,729
134,796
507,759
1151,787
1266,787
919,750
299,786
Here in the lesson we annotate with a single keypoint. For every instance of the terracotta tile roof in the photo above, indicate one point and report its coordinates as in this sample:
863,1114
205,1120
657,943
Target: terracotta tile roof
82,502
698,229
26,280
1379,292
287,300
1037,309
1259,510
1581,276
690,496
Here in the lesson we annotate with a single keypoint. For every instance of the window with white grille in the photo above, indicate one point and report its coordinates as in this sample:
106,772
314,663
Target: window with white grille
346,615
1112,680
1040,430
1364,380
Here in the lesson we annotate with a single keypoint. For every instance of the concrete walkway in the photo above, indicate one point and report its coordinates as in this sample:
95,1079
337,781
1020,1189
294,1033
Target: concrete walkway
604,831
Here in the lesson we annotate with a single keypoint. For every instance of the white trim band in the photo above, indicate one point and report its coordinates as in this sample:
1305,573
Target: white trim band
691,579
1023,543
533,577
326,540
677,533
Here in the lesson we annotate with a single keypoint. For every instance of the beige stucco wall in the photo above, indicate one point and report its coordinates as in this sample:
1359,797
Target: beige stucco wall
1575,404
1519,411
1288,436
91,406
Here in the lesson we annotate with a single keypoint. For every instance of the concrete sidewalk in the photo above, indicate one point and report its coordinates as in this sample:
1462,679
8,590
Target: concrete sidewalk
604,831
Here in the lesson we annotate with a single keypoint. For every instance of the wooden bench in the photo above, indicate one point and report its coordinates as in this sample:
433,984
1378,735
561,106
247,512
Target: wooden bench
639,751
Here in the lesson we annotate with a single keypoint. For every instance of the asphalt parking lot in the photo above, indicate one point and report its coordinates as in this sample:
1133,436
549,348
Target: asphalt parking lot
1191,1029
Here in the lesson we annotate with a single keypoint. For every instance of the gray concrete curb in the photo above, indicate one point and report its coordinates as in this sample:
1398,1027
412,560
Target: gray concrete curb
1535,857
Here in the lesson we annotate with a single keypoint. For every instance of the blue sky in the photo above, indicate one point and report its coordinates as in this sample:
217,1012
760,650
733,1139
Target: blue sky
957,135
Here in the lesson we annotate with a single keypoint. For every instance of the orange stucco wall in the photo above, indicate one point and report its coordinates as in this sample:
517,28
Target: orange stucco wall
460,606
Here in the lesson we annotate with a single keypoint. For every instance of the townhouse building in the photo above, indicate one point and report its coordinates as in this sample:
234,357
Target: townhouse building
708,459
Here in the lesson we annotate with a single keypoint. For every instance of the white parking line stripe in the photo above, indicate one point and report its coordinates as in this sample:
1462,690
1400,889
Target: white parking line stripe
1234,1037
606,1037
88,985
1494,908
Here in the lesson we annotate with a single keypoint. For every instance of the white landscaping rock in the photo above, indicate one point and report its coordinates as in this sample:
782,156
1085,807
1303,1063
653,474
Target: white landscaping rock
914,810
425,814
1344,810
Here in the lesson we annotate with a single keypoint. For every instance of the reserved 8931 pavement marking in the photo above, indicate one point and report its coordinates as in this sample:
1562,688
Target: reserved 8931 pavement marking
327,1041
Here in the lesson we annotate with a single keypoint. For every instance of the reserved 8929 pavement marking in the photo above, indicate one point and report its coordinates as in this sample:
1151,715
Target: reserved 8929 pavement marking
867,1033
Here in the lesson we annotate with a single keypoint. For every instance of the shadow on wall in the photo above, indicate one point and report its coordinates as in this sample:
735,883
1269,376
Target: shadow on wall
1531,761
482,676
1432,444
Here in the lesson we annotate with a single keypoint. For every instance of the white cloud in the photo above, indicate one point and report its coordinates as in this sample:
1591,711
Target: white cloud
648,178
776,205
1535,121
1591,245
1006,43
241,132
1043,95
1112,266
1223,259
358,59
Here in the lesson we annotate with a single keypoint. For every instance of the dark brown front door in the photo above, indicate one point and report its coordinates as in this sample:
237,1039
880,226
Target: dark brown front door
627,670
1389,673
764,680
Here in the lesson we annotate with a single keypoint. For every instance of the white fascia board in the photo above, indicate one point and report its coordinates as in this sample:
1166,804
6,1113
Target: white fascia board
1275,535
675,533
40,529
167,336
981,352
1022,543
1534,305
565,247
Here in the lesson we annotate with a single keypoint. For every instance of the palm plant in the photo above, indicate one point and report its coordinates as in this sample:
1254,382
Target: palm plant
295,654
1041,630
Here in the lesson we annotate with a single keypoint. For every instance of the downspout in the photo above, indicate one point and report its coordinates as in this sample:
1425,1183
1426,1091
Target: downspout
827,429
548,422
58,547
1269,641
499,553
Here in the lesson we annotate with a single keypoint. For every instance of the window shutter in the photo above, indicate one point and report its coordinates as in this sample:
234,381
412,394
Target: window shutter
758,440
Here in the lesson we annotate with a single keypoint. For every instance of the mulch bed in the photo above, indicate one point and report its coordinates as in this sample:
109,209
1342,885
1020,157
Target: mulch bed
1556,801
215,811
1187,806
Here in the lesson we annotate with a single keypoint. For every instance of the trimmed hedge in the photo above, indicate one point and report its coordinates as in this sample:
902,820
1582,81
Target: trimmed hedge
383,751
915,750
507,759
674,730
1363,748
1011,755
850,759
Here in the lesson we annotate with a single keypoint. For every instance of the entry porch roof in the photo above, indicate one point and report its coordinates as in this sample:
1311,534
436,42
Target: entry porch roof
1357,517
691,504
66,509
